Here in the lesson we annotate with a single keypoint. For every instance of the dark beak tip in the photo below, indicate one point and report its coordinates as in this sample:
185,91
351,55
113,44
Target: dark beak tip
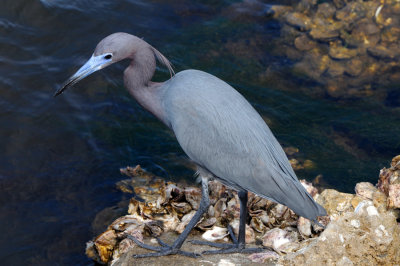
58,92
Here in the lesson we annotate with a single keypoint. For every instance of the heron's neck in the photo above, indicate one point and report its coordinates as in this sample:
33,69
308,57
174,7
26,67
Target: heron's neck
137,80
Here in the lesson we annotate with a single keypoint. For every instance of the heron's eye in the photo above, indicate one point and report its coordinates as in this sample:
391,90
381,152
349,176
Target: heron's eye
108,56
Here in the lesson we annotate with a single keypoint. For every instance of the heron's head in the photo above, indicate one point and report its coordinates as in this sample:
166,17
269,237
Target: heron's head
111,49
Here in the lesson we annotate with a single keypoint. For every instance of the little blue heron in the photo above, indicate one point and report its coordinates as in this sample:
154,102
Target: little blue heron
216,127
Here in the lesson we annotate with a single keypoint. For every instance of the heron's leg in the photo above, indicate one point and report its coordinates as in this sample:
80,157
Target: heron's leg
165,249
239,244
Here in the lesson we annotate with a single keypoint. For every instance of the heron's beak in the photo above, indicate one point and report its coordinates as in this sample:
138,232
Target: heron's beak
92,65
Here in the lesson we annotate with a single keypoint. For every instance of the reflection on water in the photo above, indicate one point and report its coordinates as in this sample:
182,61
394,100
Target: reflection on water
60,158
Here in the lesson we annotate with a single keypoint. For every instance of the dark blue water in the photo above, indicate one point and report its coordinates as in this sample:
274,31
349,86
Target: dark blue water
60,157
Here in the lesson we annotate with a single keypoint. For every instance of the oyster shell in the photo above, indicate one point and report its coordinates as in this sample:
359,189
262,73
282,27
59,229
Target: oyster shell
216,233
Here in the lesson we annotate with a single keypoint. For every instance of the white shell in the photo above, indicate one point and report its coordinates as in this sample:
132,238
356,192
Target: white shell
215,233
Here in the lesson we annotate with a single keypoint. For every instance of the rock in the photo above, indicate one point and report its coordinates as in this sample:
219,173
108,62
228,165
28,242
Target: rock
389,183
336,69
360,230
394,196
365,190
303,43
340,52
383,52
356,238
354,67
352,12
390,34
313,65
323,34
339,3
335,203
325,10
298,20
263,256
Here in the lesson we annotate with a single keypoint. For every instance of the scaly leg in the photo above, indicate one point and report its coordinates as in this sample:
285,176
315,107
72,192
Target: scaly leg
239,245
175,248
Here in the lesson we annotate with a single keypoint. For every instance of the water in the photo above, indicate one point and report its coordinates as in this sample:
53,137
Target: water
60,158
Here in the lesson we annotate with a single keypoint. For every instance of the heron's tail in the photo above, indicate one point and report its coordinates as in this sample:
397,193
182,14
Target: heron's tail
302,203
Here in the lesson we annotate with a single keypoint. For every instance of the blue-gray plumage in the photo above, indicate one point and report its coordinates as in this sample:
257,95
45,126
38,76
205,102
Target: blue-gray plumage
221,132
216,127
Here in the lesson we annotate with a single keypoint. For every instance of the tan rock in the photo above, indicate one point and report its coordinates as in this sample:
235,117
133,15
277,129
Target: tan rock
394,196
365,190
356,238
335,203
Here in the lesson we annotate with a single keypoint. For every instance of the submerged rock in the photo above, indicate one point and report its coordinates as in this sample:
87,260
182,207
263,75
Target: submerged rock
360,38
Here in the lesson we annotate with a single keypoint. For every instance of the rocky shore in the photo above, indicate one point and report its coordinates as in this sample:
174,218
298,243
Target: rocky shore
361,228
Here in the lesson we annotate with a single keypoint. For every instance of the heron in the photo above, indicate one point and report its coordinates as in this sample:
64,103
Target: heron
216,127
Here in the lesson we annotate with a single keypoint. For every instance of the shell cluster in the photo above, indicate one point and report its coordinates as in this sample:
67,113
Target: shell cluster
350,47
159,206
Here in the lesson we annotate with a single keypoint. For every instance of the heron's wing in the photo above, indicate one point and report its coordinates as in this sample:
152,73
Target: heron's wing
222,132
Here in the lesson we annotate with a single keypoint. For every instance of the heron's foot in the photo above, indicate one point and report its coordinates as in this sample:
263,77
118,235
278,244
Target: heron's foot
163,250
225,248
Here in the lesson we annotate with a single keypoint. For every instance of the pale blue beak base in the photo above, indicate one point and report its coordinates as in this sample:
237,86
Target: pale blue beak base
92,65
